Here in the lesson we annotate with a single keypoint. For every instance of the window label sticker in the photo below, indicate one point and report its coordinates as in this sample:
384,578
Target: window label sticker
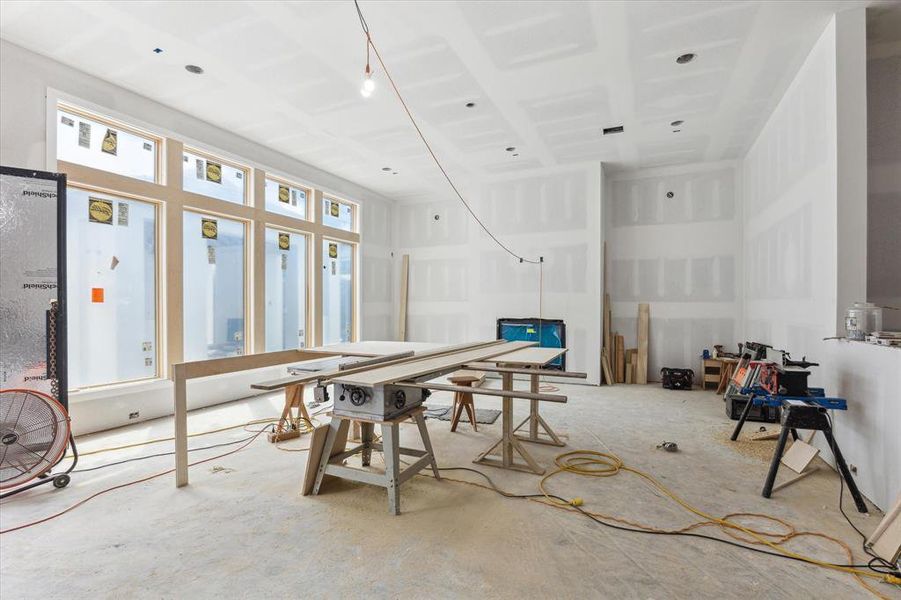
148,362
110,142
148,146
123,213
334,267
100,211
333,209
213,172
211,254
333,250
209,228
200,168
283,193
97,295
147,346
84,134
284,262
67,121
239,175
284,241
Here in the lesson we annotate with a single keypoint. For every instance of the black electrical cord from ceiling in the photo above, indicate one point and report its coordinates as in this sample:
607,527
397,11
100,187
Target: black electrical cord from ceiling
369,43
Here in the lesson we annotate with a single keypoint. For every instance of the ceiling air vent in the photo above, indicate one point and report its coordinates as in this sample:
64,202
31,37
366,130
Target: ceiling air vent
610,130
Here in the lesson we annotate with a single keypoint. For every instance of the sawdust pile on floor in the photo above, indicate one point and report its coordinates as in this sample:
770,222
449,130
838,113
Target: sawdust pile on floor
745,445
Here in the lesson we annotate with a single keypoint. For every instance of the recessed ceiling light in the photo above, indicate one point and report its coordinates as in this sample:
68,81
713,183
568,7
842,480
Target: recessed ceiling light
386,168
470,104
686,58
157,50
194,69
510,149
677,122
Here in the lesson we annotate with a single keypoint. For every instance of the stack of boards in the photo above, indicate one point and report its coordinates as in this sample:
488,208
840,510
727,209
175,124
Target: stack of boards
618,363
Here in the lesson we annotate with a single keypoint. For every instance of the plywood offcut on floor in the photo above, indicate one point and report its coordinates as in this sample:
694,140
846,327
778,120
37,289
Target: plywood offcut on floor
242,530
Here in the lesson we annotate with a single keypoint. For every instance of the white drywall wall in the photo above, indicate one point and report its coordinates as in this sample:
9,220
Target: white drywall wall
805,226
884,178
790,212
461,282
682,255
25,80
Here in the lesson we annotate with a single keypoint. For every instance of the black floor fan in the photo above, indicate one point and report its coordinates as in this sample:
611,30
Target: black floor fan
34,435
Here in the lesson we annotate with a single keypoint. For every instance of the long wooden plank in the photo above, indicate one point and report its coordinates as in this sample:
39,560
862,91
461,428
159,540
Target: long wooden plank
404,293
487,366
486,391
416,368
641,365
533,356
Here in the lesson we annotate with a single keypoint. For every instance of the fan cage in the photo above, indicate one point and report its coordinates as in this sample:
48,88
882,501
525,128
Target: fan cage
34,431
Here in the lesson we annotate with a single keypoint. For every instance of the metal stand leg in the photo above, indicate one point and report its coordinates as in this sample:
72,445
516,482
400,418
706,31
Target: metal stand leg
366,437
426,442
744,417
327,451
391,448
774,465
844,472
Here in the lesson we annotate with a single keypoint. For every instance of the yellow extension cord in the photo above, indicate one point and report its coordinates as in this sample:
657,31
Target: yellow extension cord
599,464
592,463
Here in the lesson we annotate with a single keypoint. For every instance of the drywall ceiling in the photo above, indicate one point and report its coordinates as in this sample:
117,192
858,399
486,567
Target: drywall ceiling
545,77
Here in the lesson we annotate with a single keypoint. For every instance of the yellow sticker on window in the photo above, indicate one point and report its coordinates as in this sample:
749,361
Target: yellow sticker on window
209,228
333,209
284,241
530,330
110,142
283,194
333,250
100,211
213,172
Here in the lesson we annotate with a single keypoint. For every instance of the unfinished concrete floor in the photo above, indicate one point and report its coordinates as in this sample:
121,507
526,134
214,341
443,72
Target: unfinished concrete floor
241,529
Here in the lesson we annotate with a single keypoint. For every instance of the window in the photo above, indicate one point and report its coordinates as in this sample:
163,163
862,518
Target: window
104,145
286,290
210,176
286,199
337,214
213,265
111,268
337,291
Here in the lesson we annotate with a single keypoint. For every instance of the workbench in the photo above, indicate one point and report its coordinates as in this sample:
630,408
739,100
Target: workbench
522,360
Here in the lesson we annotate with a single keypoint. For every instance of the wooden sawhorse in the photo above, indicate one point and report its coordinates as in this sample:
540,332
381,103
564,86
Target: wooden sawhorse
390,447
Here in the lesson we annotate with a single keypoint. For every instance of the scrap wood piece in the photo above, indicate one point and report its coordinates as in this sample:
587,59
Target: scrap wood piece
620,359
641,365
605,366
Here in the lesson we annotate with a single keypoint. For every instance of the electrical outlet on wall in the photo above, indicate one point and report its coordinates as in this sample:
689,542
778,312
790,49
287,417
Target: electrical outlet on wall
134,415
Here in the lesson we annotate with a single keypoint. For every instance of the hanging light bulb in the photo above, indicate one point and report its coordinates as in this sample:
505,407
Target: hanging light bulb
368,83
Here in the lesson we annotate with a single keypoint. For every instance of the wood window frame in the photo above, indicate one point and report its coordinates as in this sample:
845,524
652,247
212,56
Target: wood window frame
159,141
308,214
158,282
172,201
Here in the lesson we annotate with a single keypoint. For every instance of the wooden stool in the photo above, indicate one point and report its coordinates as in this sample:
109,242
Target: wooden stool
464,399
